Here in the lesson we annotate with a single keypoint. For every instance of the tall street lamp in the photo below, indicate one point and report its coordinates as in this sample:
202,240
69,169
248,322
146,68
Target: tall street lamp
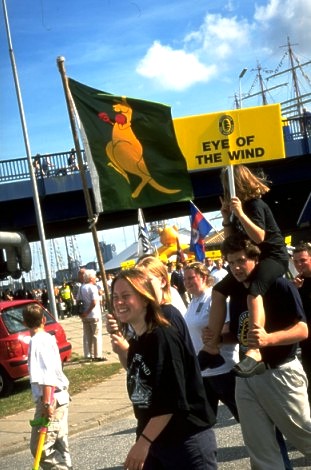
243,72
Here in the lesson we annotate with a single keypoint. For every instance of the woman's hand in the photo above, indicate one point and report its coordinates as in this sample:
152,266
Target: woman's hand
236,207
119,343
111,324
137,455
225,210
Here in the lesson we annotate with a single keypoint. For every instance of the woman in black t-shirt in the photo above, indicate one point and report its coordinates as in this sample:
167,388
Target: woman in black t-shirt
164,384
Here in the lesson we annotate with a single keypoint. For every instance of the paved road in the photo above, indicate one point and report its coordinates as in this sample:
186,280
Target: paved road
105,447
102,426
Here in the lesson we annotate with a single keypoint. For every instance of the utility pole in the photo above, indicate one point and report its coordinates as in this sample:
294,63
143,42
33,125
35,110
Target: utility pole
36,199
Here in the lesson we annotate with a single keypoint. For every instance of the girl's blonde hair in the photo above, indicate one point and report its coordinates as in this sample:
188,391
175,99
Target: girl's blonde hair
141,284
158,269
247,185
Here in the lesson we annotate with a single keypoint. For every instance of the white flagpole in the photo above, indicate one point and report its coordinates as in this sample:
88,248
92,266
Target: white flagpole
49,281
231,180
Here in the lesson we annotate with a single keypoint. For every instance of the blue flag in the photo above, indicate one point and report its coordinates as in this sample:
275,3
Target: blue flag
200,227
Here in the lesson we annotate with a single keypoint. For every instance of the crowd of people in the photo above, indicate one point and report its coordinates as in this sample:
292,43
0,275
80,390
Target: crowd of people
196,334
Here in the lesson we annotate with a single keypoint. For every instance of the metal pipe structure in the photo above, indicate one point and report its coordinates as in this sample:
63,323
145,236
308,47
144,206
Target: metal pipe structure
18,252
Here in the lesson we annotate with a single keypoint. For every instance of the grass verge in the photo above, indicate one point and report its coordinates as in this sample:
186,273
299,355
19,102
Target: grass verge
82,376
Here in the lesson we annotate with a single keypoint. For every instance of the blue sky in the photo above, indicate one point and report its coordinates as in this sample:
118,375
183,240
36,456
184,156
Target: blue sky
185,53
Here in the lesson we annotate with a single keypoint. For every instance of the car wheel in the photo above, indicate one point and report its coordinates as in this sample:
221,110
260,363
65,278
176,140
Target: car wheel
6,383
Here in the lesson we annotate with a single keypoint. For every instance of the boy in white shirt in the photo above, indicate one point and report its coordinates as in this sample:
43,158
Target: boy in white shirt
49,387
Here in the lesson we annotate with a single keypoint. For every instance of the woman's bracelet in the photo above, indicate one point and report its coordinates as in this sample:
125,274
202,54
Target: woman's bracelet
226,224
147,438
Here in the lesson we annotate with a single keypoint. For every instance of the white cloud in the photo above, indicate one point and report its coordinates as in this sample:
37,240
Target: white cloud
224,40
274,9
202,57
174,69
219,36
280,19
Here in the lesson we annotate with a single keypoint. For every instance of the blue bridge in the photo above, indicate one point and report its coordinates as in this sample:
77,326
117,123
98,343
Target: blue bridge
64,210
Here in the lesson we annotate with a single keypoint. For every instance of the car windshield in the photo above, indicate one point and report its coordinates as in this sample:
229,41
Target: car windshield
13,319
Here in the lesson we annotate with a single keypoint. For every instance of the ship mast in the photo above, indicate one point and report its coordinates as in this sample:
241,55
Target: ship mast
261,84
295,78
263,90
299,100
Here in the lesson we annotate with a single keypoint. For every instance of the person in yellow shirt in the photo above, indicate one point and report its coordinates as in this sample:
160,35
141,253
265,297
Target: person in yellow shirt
66,297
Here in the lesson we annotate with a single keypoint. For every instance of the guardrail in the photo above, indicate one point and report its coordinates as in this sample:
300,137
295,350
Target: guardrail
296,128
57,164
47,165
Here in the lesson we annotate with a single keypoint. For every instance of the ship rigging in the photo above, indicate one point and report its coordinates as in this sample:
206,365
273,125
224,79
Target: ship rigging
298,84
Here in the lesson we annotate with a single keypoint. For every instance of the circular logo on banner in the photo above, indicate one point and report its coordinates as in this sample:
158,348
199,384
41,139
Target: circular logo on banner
226,124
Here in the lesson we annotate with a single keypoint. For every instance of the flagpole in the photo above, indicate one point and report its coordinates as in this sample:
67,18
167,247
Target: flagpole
231,180
36,199
92,218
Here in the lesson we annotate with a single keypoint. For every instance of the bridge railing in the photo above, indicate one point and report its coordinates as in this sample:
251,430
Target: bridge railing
296,128
56,164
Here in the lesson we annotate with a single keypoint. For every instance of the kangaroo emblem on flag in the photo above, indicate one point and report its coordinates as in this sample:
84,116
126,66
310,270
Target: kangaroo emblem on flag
125,151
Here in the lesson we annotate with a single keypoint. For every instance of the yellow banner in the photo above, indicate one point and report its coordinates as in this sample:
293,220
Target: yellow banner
231,137
128,264
213,254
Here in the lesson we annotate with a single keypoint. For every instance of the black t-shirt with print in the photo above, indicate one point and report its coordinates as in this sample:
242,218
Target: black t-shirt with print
163,378
283,308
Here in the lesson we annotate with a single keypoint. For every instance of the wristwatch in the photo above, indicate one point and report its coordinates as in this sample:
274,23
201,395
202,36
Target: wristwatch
46,405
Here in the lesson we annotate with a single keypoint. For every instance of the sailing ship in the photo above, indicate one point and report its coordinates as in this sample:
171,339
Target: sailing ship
298,84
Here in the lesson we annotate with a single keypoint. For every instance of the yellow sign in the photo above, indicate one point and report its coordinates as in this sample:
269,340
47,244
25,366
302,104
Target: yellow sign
213,254
128,264
231,137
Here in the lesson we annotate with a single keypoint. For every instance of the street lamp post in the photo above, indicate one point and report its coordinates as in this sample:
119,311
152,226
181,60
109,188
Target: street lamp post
243,72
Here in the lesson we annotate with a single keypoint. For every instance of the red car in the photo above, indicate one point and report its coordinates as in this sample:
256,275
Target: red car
14,341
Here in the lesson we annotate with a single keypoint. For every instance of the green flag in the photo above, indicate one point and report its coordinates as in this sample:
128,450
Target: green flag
134,149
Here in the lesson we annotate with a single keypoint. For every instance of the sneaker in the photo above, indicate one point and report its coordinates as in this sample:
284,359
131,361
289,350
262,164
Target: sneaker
248,367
